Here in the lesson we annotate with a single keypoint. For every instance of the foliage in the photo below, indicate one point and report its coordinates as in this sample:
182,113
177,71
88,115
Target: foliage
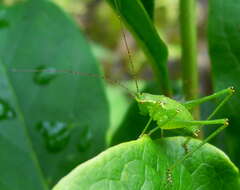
55,113
224,45
141,164
49,134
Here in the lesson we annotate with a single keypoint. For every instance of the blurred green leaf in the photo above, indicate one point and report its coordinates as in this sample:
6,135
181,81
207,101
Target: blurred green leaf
140,24
143,164
149,6
18,160
224,46
130,127
117,99
3,24
66,115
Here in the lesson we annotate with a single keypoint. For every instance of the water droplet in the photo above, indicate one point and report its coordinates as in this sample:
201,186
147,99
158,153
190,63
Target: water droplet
6,112
85,139
44,75
56,134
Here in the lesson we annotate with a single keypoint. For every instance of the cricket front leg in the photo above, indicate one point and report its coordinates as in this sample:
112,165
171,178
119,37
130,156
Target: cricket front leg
164,122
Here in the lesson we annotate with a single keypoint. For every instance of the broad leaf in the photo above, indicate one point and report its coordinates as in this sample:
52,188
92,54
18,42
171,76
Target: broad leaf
18,160
224,46
139,22
143,164
66,115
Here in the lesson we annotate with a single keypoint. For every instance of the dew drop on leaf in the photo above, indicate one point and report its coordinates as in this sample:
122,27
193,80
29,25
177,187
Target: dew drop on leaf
56,134
85,139
6,112
44,75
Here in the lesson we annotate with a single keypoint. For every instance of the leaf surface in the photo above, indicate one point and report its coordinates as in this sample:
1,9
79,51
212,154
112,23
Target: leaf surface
18,160
142,164
66,115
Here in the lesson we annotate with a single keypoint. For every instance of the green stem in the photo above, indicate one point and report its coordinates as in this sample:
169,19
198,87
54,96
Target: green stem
189,50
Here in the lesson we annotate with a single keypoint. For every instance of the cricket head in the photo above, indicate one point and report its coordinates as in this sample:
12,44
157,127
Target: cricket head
145,100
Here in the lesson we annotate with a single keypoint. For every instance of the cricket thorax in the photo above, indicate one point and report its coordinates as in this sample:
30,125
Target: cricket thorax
162,109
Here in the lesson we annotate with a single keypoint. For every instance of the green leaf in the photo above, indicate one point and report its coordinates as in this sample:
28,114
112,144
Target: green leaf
66,115
140,24
117,99
18,160
224,45
149,6
143,164
131,125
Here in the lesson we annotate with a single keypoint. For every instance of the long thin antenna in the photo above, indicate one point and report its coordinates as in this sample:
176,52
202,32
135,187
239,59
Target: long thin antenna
74,73
126,44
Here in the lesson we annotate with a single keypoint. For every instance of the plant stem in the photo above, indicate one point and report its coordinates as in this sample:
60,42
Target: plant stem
189,50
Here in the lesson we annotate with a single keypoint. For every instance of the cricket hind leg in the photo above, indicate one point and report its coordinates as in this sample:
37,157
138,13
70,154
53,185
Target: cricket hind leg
201,124
189,105
185,145
229,92
181,160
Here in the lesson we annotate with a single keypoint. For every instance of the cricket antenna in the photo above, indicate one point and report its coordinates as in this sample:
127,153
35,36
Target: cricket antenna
75,73
126,45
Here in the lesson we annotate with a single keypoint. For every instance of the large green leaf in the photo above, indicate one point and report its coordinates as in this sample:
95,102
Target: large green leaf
17,161
224,46
139,22
66,115
143,164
